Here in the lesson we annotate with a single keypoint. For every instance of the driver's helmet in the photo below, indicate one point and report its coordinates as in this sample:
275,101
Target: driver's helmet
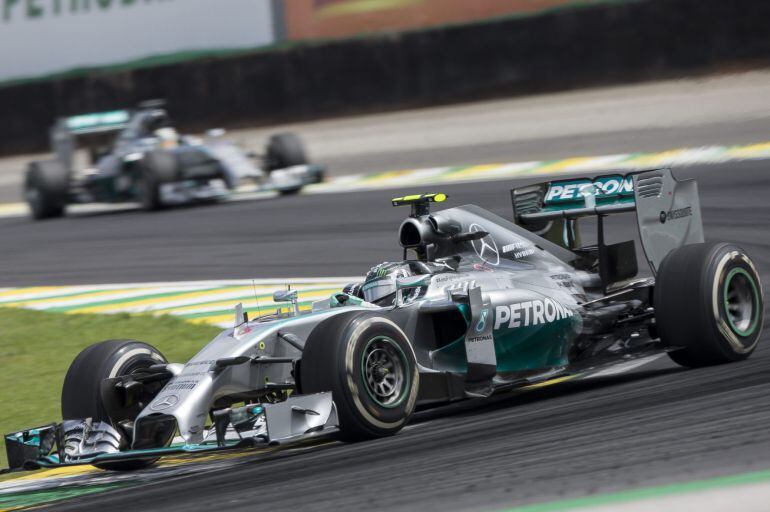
168,138
379,287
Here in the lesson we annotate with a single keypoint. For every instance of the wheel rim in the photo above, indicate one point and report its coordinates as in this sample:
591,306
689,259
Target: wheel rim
385,373
741,300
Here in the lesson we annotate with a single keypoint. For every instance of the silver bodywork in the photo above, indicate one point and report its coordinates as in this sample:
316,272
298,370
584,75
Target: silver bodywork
485,305
501,269
116,149
189,396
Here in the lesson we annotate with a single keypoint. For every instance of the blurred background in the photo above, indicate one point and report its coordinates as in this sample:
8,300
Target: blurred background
391,97
247,62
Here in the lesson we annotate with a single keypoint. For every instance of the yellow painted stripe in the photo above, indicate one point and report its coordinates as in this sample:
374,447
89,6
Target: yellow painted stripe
32,290
57,472
388,176
179,460
750,151
220,319
83,294
550,382
563,165
14,208
473,170
655,159
160,300
247,303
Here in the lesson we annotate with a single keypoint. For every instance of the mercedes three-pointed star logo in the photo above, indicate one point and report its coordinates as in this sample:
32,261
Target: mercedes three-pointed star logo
486,248
167,402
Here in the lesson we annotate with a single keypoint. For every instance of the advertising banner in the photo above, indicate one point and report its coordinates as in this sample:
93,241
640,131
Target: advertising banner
41,37
311,19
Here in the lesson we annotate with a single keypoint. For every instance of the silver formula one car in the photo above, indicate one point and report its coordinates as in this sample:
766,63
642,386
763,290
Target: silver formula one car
483,305
138,156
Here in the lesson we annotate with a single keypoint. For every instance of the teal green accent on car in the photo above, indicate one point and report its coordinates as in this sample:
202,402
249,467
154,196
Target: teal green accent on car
521,348
600,201
98,121
613,187
739,271
536,346
451,357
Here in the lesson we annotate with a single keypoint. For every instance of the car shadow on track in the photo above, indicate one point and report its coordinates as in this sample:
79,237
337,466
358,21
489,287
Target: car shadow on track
522,397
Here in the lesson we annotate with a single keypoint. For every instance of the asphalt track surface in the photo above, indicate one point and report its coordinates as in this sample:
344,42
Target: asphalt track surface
659,424
306,236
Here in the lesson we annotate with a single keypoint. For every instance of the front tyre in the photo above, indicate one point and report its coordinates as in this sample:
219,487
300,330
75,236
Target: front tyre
156,168
708,300
81,396
46,187
284,150
369,366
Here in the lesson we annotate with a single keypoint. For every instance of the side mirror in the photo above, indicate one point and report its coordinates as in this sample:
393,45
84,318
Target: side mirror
285,296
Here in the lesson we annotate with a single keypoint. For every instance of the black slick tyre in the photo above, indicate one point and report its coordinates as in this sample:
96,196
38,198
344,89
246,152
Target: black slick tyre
708,301
81,396
46,189
368,364
156,168
284,150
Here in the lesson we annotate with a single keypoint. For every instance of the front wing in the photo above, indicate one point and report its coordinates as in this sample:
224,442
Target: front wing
78,442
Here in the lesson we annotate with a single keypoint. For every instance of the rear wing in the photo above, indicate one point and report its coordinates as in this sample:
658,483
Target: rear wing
89,130
667,212
98,122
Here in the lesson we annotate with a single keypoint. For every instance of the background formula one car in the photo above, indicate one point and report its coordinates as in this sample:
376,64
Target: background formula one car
485,305
139,156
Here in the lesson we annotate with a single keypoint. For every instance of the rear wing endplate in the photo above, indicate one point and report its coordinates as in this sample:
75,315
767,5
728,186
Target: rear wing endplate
667,210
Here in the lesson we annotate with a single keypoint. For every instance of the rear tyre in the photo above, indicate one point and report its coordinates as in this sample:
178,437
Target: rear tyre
369,366
81,394
708,300
156,168
285,150
46,187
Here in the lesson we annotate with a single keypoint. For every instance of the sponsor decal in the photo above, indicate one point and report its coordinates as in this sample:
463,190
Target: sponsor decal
576,190
563,280
207,362
482,323
446,278
460,286
530,312
519,250
34,9
679,213
485,248
165,403
481,267
242,329
479,339
181,385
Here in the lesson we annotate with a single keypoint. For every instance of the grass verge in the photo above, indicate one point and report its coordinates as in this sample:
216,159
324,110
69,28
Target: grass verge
36,349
